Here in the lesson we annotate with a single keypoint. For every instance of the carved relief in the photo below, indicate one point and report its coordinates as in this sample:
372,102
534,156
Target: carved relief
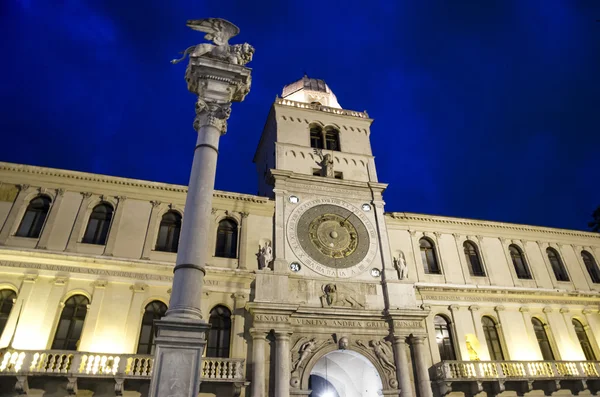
383,352
332,298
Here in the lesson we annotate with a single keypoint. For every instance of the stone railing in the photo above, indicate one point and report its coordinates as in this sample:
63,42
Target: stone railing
327,109
454,375
127,366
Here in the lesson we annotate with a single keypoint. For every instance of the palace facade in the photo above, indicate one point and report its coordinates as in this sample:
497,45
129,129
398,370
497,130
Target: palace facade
312,287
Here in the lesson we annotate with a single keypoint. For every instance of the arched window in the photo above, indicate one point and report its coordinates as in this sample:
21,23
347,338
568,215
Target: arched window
98,225
428,256
473,259
492,338
591,266
332,139
168,233
7,300
542,338
518,260
35,215
586,346
227,235
155,310
220,332
443,336
557,265
316,137
70,323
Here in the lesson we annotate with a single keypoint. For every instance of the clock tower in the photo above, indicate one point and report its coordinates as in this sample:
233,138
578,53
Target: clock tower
314,158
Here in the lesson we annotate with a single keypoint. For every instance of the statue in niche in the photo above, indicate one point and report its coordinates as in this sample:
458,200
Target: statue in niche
382,351
333,298
219,31
305,351
265,255
326,163
400,266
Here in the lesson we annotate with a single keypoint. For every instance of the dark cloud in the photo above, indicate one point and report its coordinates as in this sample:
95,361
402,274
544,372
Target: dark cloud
486,110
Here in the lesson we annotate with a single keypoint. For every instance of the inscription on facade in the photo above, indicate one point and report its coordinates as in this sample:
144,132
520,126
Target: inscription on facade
339,323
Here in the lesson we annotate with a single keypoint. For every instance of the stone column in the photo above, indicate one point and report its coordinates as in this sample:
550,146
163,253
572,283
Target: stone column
79,222
238,342
150,239
423,382
258,362
115,225
86,343
51,221
282,363
402,368
181,334
243,240
11,219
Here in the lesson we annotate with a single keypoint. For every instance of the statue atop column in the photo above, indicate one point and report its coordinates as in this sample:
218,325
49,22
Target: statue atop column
219,31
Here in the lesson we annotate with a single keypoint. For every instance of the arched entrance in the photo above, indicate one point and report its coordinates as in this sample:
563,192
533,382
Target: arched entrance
344,373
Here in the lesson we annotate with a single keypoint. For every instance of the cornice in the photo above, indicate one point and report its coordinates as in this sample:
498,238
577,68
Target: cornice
119,181
443,220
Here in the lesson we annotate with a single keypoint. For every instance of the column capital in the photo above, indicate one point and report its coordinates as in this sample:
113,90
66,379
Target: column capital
138,287
244,215
155,203
399,338
564,310
86,195
60,192
474,308
500,308
258,333
30,278
547,309
417,339
60,280
283,334
211,113
23,187
524,309
454,307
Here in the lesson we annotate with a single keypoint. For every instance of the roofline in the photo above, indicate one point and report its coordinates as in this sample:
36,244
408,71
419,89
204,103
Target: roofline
115,180
414,216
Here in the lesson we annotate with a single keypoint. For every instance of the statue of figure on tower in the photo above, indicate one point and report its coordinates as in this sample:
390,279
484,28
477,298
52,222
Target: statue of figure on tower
265,255
326,163
400,265
219,31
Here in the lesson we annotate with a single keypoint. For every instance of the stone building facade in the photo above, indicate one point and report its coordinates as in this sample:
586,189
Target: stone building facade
311,285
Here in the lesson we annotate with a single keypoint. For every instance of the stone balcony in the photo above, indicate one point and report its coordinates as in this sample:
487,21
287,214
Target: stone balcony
495,377
24,367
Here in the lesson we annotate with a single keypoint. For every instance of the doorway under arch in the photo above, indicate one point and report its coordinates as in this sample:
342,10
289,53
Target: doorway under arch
344,373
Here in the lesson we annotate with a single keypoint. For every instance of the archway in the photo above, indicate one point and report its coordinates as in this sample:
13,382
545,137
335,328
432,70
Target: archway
345,373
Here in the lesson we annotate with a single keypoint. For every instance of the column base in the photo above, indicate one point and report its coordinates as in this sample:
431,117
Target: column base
177,364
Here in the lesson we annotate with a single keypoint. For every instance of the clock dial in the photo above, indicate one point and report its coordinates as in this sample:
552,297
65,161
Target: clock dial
332,237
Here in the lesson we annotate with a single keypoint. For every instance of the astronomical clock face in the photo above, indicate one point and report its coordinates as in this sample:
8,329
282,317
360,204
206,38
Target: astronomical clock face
332,237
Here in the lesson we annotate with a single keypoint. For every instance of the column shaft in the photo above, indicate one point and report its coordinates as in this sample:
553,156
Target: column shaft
243,240
258,363
51,221
111,242
189,273
402,368
282,375
423,382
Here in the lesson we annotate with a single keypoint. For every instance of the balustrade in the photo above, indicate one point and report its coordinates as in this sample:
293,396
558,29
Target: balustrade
327,109
84,364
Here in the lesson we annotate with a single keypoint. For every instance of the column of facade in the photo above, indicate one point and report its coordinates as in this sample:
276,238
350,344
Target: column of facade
10,336
115,226
462,259
577,251
483,352
52,307
258,362
423,382
134,317
238,342
79,221
181,334
282,363
279,263
149,241
402,367
89,328
243,240
51,220
11,219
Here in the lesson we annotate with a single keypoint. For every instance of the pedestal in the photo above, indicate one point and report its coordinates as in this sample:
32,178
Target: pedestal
177,366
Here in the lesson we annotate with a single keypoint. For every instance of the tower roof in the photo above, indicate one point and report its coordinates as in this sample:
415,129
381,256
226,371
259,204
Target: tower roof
310,90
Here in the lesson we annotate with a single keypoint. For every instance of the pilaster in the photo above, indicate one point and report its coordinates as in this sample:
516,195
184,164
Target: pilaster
51,220
134,317
115,225
20,339
242,256
150,239
92,317
238,343
10,224
80,220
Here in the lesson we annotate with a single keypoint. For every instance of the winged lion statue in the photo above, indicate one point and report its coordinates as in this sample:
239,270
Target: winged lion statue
219,31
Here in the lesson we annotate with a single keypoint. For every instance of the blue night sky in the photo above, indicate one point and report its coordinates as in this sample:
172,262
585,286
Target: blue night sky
483,109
